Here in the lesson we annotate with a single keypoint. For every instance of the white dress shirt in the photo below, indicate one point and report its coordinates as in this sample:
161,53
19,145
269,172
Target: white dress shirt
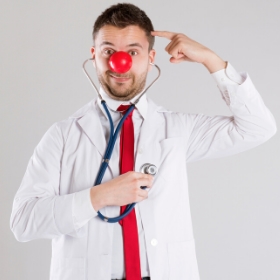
82,207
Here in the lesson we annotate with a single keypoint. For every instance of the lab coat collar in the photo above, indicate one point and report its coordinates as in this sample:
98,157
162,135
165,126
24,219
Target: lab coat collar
89,121
141,106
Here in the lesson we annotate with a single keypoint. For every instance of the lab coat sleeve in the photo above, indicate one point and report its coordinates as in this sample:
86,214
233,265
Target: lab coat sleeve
39,211
250,125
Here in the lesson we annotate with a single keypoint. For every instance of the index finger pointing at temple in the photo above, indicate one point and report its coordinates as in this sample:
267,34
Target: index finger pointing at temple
166,34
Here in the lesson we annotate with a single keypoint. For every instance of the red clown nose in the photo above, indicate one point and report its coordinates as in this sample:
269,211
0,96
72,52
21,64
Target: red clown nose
120,62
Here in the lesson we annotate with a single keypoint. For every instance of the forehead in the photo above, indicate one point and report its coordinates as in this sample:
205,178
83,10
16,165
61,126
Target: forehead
121,36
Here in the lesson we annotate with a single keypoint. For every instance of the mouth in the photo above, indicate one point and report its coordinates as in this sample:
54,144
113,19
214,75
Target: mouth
119,79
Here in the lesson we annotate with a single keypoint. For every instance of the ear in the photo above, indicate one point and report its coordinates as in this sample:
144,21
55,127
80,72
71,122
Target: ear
152,55
92,50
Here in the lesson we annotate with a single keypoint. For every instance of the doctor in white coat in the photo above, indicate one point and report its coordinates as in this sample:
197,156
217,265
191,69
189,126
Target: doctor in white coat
57,200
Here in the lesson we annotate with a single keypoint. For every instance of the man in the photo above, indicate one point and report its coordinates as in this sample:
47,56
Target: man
57,199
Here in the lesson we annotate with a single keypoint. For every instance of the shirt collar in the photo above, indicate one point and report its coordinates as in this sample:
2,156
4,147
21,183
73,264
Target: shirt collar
142,105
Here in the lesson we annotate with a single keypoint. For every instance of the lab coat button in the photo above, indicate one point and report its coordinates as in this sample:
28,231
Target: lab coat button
154,242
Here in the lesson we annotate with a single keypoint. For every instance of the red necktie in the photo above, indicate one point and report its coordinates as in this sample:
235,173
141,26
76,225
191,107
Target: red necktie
129,224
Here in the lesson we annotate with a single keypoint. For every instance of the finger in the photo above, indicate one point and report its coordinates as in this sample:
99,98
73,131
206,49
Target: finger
173,48
143,194
174,42
169,46
176,56
165,34
139,196
139,179
174,60
145,182
140,175
178,60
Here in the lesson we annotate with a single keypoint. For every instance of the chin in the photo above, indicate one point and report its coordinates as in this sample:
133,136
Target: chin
121,97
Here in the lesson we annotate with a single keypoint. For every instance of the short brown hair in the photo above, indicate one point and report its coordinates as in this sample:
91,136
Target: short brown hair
122,15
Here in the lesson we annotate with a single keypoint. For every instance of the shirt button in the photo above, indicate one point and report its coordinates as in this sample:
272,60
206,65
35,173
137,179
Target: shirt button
154,242
140,151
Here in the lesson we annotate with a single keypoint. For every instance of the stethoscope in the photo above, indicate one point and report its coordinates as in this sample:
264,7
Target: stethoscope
119,62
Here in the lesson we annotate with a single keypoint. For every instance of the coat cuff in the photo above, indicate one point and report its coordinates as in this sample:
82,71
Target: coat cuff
228,77
83,210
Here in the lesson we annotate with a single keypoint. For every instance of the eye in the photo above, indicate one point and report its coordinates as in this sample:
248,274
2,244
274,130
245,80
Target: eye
132,53
108,51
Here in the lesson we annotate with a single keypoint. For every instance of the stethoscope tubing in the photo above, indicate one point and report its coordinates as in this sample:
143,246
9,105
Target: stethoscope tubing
112,141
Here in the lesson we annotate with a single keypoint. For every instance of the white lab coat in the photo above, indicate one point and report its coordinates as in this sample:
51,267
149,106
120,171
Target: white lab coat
67,160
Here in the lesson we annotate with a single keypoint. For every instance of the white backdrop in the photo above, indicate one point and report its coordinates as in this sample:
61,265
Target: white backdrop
235,201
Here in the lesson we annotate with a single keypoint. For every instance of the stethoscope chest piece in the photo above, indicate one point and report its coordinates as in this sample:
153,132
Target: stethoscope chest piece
149,168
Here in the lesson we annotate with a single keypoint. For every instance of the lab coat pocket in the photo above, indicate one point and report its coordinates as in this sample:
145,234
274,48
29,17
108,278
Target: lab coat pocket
67,269
172,165
182,261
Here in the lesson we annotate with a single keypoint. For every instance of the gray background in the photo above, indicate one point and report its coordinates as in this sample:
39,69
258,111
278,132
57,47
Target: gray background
234,201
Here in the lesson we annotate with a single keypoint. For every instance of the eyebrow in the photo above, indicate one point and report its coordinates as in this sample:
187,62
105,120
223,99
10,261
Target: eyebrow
130,45
106,43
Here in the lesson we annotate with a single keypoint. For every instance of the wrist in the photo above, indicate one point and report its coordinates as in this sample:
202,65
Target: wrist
214,63
96,198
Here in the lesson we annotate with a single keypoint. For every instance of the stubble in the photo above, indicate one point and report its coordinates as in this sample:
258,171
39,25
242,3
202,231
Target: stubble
117,92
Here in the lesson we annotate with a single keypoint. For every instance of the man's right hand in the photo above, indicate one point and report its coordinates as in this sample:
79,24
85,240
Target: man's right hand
122,190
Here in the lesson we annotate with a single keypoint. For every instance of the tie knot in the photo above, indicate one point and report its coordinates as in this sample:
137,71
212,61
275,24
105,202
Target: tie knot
123,109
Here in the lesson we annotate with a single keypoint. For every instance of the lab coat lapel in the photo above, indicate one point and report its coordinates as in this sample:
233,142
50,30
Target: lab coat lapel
91,125
150,125
149,149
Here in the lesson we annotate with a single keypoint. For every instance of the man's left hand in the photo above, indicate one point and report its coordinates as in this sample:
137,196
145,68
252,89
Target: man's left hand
182,48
